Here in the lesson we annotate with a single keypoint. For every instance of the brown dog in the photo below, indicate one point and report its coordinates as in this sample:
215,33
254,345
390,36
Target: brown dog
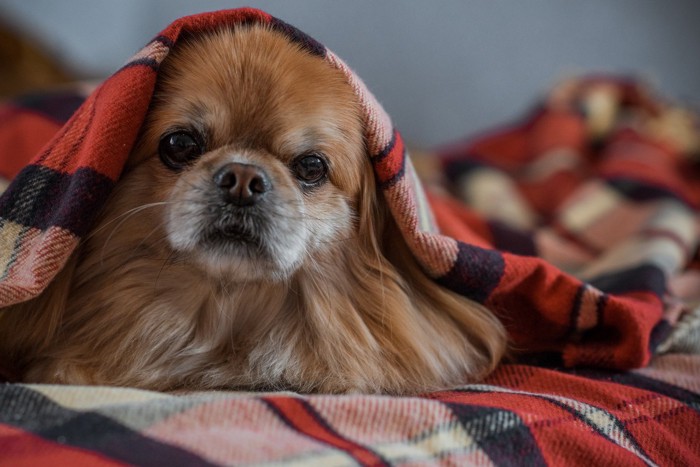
246,246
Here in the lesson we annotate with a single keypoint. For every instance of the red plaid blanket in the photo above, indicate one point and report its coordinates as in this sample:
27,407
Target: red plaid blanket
520,416
583,243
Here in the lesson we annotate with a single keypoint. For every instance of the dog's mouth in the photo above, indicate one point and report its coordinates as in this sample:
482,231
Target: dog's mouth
228,228
236,233
230,236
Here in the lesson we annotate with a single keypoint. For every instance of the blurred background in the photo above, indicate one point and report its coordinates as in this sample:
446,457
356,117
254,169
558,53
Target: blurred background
442,69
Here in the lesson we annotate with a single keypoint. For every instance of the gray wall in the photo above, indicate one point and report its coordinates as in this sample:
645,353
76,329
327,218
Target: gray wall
442,68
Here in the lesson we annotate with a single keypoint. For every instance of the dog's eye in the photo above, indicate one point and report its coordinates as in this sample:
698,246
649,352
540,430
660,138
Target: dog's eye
179,148
310,168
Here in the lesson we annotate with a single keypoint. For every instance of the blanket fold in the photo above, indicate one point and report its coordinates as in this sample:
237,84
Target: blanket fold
600,181
589,213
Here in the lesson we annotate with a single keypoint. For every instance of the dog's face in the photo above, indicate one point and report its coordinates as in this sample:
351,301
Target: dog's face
259,161
246,245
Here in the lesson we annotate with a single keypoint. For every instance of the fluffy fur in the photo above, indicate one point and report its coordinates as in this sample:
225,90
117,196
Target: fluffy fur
315,290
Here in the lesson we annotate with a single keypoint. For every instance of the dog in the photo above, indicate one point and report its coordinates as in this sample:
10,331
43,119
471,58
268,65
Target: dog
246,246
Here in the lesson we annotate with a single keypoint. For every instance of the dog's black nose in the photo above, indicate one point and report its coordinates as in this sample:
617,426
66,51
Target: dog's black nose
241,184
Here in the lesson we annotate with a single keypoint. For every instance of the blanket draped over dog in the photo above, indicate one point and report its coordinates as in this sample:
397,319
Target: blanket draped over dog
580,234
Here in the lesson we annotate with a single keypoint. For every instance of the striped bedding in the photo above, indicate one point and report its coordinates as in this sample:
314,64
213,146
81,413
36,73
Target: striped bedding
577,225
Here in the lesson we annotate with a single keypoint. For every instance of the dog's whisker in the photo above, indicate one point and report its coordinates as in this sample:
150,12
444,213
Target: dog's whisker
124,217
335,240
137,248
128,213
160,271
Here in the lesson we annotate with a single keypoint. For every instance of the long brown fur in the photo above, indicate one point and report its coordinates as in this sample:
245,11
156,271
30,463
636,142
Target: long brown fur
355,313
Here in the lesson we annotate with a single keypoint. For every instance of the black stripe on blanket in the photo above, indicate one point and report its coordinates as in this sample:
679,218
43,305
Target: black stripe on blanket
58,106
638,381
512,444
457,169
476,272
640,192
295,35
34,413
31,200
145,61
512,240
642,278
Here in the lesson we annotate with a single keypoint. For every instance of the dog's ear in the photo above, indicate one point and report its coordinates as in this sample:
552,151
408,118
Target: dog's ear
27,329
446,336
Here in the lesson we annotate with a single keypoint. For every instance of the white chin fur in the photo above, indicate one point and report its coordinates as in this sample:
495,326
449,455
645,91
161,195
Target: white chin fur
276,260
237,269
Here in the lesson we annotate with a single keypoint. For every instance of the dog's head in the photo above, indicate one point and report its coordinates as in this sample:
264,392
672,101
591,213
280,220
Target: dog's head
256,149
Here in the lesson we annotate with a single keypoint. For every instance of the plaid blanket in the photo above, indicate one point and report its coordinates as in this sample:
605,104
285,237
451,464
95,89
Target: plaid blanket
580,234
521,415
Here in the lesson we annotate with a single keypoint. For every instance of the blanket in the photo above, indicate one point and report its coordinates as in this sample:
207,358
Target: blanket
521,415
579,233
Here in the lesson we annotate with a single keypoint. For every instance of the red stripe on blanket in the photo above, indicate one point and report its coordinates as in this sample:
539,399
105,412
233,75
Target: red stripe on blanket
19,448
546,196
389,164
638,157
662,433
100,134
557,129
22,134
297,414
505,148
